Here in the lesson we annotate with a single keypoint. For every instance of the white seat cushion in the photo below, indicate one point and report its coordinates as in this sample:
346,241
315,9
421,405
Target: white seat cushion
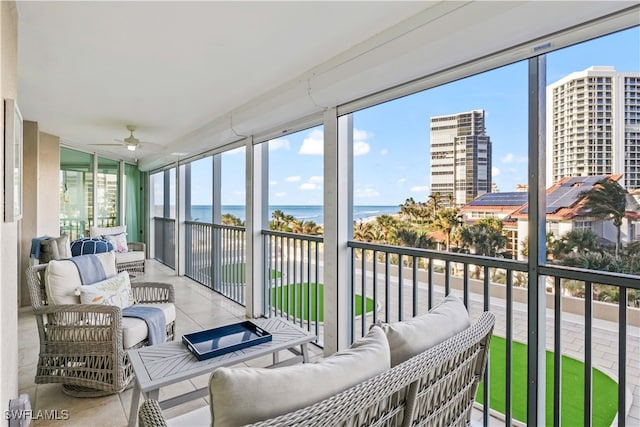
61,278
242,396
134,330
130,256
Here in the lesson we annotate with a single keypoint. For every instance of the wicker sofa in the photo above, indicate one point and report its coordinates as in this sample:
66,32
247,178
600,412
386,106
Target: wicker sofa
84,346
434,387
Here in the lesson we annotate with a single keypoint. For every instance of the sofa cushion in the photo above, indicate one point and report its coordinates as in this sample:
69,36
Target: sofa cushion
134,329
104,231
115,290
90,245
240,396
61,278
411,337
130,256
119,242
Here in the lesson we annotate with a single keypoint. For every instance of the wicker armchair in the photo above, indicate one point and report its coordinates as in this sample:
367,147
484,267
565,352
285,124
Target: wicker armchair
434,388
81,345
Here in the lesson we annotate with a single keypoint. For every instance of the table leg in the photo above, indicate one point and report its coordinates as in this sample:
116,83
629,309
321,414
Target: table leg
305,353
135,401
276,357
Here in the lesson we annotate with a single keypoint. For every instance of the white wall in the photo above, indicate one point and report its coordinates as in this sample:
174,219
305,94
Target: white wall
9,248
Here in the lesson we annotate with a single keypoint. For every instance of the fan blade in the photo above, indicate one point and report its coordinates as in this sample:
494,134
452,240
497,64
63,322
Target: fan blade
107,145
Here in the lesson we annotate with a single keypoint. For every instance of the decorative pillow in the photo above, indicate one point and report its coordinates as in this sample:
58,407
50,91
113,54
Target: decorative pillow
119,242
413,336
115,290
61,278
241,396
103,231
90,245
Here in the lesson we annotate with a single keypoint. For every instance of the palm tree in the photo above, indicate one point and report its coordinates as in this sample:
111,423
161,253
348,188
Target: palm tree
607,199
446,220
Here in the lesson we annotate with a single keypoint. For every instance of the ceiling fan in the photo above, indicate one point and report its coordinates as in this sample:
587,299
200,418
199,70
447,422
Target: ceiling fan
130,142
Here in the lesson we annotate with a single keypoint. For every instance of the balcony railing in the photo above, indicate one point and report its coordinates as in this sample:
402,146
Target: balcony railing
293,286
405,282
164,235
391,283
216,257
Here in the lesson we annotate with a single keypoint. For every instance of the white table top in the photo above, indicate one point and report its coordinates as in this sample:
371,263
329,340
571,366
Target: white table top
160,365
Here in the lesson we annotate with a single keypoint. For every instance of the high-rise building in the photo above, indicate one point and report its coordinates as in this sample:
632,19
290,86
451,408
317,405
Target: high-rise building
593,125
460,156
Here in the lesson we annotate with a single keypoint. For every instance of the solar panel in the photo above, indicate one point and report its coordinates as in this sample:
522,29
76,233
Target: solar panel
500,199
567,194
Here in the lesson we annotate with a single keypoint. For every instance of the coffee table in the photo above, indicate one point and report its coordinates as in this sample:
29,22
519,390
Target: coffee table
164,364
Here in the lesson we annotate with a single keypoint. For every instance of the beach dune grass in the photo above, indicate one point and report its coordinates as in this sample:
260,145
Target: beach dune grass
299,300
605,389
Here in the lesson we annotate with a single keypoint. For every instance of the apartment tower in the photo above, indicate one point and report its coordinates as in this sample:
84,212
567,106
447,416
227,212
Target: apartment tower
593,125
460,157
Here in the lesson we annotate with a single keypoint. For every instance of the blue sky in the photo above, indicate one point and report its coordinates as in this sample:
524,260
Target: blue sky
391,140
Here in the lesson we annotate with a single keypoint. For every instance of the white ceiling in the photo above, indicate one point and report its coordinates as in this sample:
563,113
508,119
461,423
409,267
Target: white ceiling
193,75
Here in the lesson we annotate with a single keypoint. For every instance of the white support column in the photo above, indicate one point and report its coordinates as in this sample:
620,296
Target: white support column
94,198
257,208
181,214
217,188
338,227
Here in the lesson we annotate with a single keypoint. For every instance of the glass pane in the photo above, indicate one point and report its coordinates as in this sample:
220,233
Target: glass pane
76,192
201,190
107,192
232,186
420,161
593,154
296,180
172,194
157,194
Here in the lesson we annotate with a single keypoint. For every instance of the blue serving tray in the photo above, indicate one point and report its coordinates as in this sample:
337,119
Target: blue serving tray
225,339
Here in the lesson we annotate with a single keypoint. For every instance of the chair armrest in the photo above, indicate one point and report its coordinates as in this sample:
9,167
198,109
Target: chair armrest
150,414
136,246
80,323
150,292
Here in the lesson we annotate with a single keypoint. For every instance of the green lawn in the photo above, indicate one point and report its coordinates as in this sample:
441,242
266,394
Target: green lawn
605,390
282,297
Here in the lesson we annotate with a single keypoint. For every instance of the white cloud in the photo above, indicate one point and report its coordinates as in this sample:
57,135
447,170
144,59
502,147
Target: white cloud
419,189
294,178
360,135
309,186
384,152
366,192
360,148
278,143
402,180
273,182
313,144
281,194
313,183
495,171
514,158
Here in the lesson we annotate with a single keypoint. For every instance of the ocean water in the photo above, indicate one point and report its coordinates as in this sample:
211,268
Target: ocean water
300,212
